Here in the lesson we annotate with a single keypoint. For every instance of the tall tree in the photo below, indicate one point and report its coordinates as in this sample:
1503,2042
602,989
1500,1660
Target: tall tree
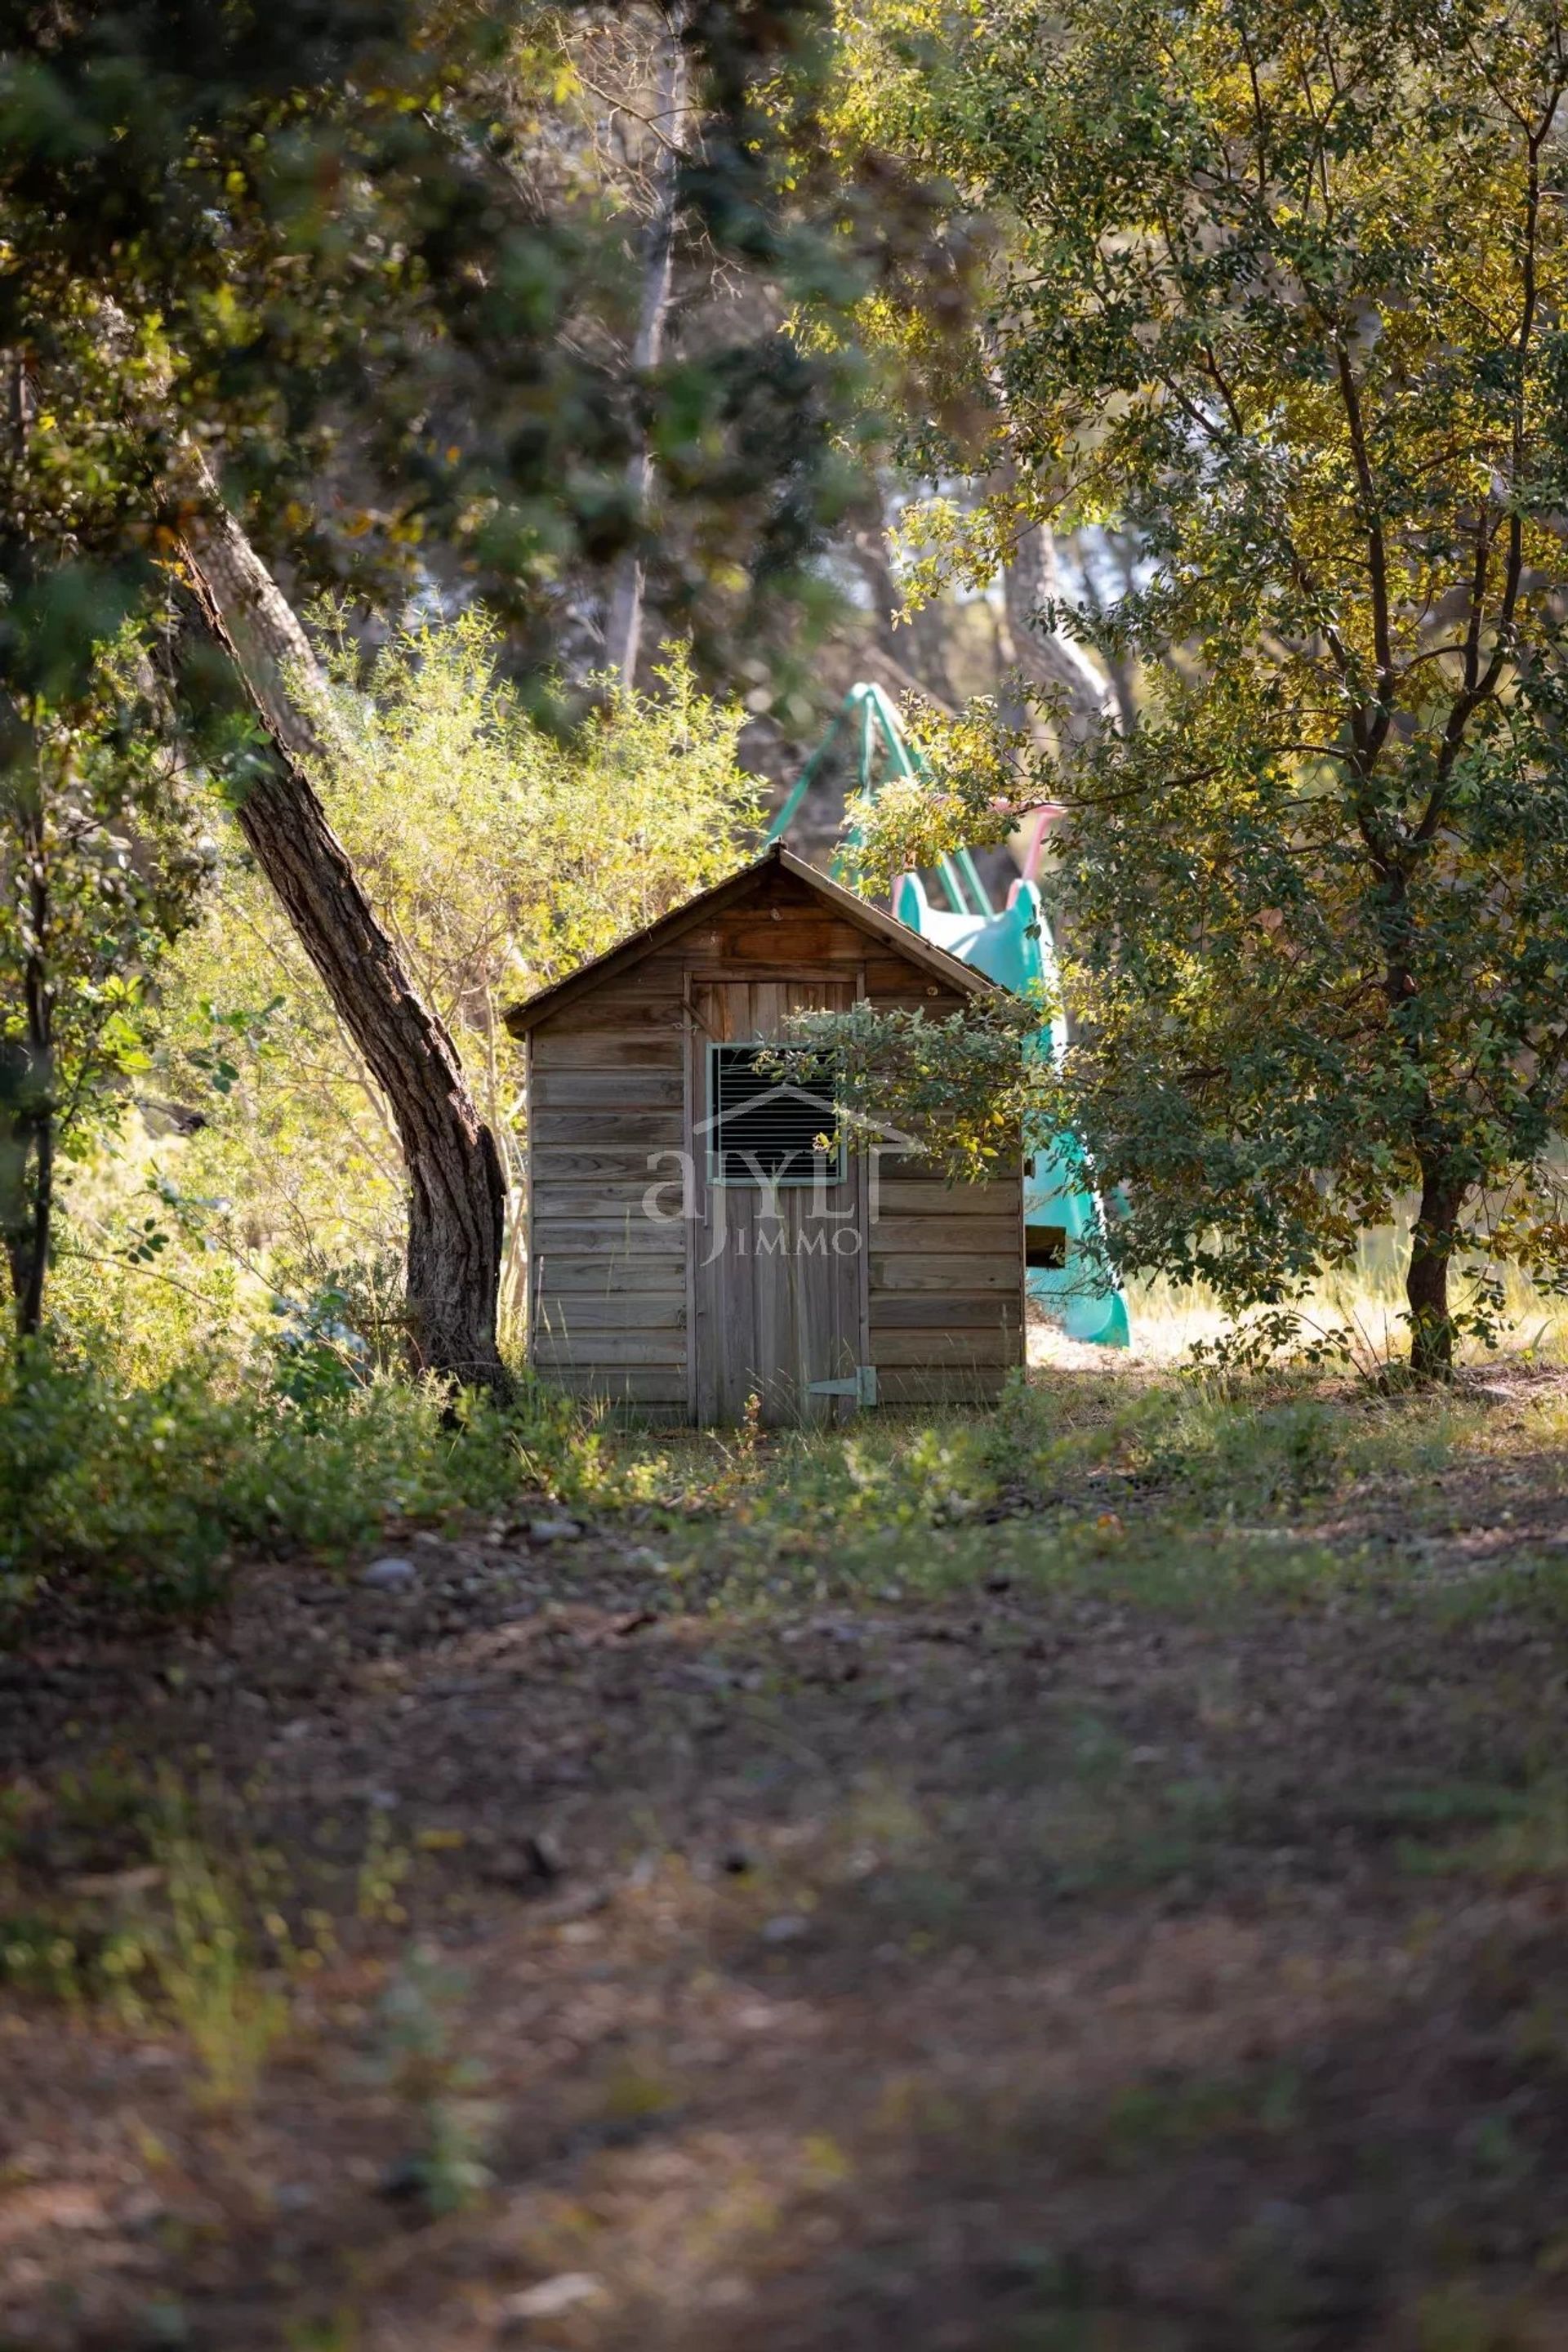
457,1190
284,285
99,869
623,626
1280,289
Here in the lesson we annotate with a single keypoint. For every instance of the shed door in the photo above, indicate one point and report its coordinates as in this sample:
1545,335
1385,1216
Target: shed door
779,1237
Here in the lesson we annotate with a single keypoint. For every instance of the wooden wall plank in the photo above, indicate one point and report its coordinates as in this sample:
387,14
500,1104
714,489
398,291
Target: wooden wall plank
959,1349
558,1163
618,1239
605,1272
906,1166
607,1049
888,975
939,1271
902,1195
621,1006
646,1384
610,1201
802,940
969,1233
586,1129
591,1349
925,1385
633,1091
568,1314
914,1310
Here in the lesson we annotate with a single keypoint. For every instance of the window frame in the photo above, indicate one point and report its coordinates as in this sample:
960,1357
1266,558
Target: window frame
825,1169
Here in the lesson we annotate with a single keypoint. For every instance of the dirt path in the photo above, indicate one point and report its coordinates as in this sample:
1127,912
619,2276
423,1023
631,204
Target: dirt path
1015,1972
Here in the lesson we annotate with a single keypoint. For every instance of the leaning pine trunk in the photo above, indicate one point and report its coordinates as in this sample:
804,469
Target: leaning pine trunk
1432,1247
457,1192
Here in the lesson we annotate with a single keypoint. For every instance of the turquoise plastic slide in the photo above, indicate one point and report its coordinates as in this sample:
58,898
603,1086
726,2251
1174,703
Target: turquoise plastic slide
1013,946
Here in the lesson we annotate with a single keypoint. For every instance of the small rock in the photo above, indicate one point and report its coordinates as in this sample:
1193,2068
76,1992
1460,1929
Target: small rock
646,1562
557,1530
536,1863
553,2296
403,2179
787,1928
389,1575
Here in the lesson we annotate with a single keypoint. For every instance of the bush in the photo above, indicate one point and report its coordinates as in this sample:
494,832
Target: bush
147,1490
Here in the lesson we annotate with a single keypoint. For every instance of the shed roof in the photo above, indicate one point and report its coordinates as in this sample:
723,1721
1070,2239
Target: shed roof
520,1018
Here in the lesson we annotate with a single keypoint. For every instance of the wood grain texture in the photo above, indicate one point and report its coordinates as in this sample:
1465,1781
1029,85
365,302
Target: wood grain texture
943,1272
638,1089
586,1351
956,1350
626,1165
567,1313
630,1384
888,975
557,1047
603,1274
899,1194
612,1202
623,1010
966,1233
615,1239
795,940
587,1130
929,1385
914,1310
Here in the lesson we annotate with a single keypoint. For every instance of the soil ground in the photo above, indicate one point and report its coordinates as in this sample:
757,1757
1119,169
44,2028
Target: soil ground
573,1953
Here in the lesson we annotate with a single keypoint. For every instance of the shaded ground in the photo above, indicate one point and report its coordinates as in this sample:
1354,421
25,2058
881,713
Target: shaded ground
1135,1922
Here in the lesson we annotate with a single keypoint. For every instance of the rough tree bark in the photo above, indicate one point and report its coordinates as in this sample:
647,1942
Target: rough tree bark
28,1249
1431,1246
623,623
27,1061
457,1192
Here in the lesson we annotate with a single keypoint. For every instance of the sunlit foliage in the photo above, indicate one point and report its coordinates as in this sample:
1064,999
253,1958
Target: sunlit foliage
1281,290
500,855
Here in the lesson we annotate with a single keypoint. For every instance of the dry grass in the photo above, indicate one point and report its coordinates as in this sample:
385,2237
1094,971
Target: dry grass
1089,1879
1366,1301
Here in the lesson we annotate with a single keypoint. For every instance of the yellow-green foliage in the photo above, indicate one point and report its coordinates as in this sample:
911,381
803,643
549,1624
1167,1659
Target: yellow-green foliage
500,856
152,1486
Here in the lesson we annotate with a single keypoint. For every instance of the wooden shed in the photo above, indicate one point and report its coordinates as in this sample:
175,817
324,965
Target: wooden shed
691,1242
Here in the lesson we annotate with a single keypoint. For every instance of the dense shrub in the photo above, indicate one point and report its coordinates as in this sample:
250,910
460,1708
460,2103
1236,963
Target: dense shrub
148,1489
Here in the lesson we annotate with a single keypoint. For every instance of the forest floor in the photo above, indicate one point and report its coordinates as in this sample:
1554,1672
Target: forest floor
1098,1886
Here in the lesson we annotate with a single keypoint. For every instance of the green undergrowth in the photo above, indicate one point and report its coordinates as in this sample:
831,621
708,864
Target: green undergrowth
148,1490
1170,1491
1163,1489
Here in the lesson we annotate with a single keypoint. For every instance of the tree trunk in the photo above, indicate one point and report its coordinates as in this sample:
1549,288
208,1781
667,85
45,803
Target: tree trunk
457,1192
27,1148
30,1272
1045,657
1431,1246
622,624
27,1103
